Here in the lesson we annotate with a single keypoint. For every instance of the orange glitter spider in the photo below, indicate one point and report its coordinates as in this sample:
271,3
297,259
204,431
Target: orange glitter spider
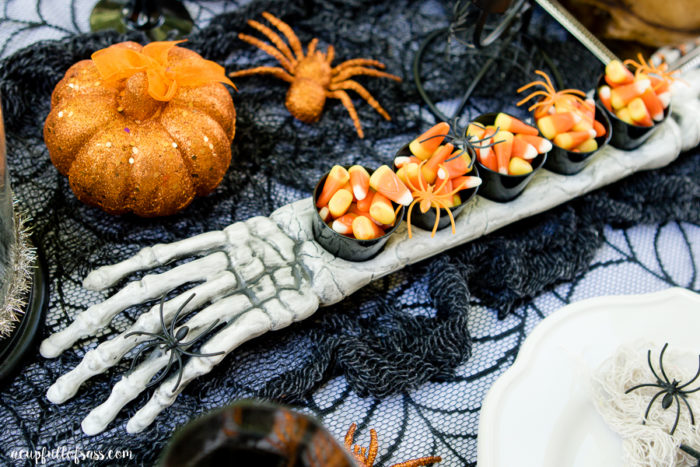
366,457
550,96
311,76
644,67
431,196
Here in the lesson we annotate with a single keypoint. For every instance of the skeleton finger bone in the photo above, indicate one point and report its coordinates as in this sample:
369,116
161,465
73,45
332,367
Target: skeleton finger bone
110,352
132,384
154,256
150,287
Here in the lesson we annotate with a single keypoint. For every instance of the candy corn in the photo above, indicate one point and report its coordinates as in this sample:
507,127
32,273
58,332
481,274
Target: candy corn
639,112
343,224
653,104
425,145
457,165
616,73
604,94
573,139
364,229
337,177
365,203
340,202
385,181
503,149
622,95
552,125
513,125
589,145
431,166
382,210
359,180
517,166
523,149
541,144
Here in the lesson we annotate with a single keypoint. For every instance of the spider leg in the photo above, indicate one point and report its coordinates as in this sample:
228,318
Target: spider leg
373,447
176,318
360,70
646,414
690,410
437,220
651,367
179,373
358,88
277,72
192,341
142,333
267,48
152,345
312,47
350,435
330,54
419,462
408,217
648,385
549,86
530,96
164,372
288,33
275,39
532,84
678,414
661,363
345,99
694,377
357,62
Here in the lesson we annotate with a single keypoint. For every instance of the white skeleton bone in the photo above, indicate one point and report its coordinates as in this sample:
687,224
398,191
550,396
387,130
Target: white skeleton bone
265,273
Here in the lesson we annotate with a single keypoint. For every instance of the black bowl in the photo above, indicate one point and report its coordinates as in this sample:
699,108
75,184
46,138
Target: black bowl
426,221
624,135
497,186
253,433
565,162
343,246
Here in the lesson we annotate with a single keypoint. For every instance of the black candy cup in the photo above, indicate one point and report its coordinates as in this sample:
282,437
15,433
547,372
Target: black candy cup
426,221
565,162
497,186
624,135
343,246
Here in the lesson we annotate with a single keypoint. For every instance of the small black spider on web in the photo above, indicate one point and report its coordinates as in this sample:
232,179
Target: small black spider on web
171,341
673,391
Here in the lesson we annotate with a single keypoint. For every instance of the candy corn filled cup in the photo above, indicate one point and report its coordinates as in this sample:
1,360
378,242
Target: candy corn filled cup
635,103
568,155
353,221
506,167
426,220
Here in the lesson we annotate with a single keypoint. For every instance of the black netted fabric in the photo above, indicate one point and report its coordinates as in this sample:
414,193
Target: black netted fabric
391,336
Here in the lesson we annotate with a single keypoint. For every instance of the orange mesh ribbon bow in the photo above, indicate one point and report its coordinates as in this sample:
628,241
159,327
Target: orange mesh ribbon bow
116,63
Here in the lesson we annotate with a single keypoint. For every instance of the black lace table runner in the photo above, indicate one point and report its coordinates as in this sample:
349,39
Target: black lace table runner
388,339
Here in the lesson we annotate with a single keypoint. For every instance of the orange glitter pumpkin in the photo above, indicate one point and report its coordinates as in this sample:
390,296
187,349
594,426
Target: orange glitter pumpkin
141,129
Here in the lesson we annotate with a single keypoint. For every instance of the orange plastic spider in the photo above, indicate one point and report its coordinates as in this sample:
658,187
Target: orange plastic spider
644,67
366,458
311,76
550,96
431,196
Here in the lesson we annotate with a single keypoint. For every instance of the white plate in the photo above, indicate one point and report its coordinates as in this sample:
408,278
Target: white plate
539,412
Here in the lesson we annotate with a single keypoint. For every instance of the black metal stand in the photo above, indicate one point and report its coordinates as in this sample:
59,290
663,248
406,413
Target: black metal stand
504,41
14,348
159,19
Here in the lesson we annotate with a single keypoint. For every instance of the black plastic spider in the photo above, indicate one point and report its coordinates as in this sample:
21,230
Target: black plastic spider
671,390
692,452
171,341
464,141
